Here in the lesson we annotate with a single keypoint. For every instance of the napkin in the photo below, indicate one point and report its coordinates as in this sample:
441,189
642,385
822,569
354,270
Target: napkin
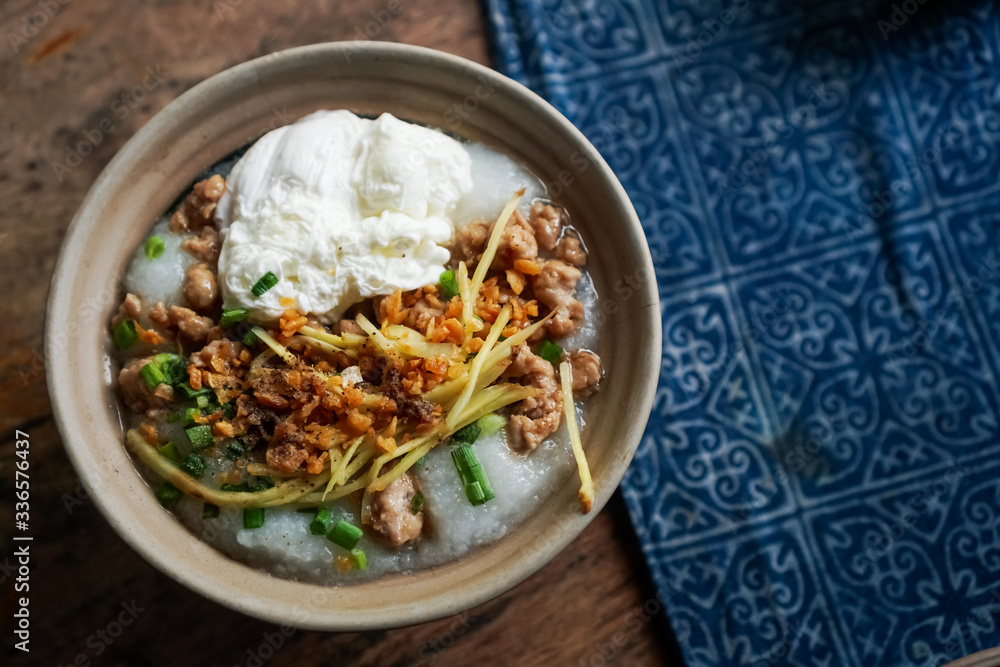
818,184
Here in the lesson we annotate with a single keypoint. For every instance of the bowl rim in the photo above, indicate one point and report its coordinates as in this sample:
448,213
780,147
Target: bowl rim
59,380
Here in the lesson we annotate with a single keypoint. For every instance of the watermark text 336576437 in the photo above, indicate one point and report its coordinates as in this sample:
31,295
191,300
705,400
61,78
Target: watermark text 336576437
22,541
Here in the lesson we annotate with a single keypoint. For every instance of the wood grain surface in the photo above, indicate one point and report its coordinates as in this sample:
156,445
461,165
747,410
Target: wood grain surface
77,79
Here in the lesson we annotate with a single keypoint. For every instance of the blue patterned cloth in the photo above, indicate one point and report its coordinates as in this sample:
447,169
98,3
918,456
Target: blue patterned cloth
818,182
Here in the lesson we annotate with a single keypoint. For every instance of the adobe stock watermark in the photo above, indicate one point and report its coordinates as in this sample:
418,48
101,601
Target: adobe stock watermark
272,641
460,111
888,535
8,569
103,637
278,118
624,289
779,648
712,30
89,315
793,461
697,383
381,18
432,650
120,109
897,18
784,129
977,623
986,273
612,128
632,623
32,23
80,495
867,215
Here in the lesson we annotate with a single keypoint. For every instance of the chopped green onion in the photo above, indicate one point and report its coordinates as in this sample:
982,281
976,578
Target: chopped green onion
253,517
194,465
491,423
202,401
164,369
467,434
465,460
477,486
200,436
345,535
417,503
168,494
242,487
320,524
229,409
250,339
261,483
449,286
231,317
474,492
235,450
266,282
550,352
168,450
358,558
209,511
191,416
193,393
154,247
152,375
125,334
175,370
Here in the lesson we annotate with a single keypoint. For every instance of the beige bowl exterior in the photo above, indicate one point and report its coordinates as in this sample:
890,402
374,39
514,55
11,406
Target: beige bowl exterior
988,658
230,109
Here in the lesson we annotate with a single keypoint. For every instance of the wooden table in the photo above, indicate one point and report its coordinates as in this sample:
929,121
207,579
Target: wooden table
65,67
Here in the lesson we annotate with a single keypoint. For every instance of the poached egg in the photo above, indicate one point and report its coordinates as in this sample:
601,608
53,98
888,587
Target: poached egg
341,209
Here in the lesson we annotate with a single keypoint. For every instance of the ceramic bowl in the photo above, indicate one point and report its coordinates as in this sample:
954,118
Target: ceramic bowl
227,111
988,658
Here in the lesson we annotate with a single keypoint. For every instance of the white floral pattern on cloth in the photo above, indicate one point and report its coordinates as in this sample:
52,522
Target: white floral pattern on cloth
819,183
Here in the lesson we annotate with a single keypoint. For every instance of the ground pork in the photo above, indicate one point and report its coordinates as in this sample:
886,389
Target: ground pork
534,418
424,309
517,242
570,250
183,320
199,288
547,224
586,372
198,208
139,397
221,355
349,327
205,246
130,309
392,514
470,241
555,287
